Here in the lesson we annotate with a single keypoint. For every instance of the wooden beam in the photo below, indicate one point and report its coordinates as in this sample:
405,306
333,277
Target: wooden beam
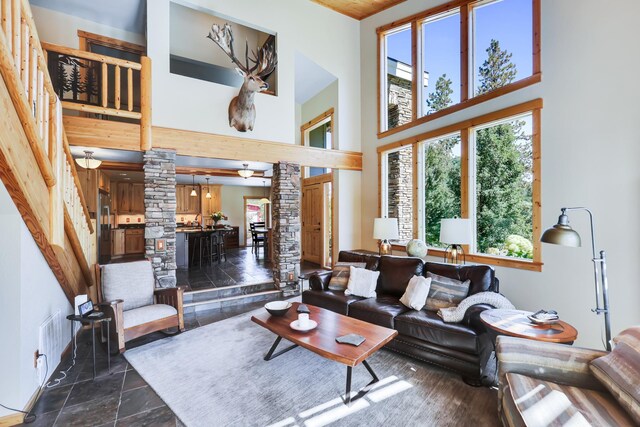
126,136
91,38
76,53
86,108
180,170
76,246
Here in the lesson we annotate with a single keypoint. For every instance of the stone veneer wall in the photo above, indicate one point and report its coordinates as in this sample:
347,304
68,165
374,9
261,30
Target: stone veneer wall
160,213
399,100
400,196
285,209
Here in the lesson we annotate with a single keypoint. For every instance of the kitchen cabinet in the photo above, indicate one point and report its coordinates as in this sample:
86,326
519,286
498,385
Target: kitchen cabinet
118,242
124,197
130,198
89,182
134,241
209,206
185,203
104,182
232,237
137,198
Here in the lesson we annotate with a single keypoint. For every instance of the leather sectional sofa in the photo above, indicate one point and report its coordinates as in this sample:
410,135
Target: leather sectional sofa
462,347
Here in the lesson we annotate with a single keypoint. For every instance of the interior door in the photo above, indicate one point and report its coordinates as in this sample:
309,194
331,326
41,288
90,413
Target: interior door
312,223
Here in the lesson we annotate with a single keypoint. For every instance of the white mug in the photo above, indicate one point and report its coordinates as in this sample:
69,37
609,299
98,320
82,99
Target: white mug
303,319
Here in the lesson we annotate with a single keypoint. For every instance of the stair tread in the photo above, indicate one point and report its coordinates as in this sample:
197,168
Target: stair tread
241,285
235,297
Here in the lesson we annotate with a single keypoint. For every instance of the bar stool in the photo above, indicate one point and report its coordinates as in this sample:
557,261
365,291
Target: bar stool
222,250
201,241
214,250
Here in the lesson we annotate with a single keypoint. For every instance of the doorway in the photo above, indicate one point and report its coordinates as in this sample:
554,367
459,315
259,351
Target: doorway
318,211
254,211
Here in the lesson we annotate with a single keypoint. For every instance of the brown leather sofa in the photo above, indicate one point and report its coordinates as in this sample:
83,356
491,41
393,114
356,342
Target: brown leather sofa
462,347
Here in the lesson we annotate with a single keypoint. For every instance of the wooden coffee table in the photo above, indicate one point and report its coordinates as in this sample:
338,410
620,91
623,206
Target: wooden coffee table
516,324
322,339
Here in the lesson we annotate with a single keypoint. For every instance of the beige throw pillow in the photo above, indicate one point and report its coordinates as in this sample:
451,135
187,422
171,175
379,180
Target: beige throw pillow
415,296
340,275
446,292
362,282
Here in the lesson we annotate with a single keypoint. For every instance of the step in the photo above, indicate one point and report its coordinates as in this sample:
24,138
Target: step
229,301
227,291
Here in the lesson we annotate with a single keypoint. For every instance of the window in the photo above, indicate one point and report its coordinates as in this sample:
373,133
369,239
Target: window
486,169
318,133
398,80
397,197
458,57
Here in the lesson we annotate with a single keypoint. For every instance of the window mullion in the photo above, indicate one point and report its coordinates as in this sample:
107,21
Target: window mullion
464,52
471,187
414,72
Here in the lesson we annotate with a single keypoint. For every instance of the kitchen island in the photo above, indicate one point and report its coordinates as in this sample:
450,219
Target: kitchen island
185,239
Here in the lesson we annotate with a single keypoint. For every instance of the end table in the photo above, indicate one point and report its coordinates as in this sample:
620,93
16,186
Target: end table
516,324
92,321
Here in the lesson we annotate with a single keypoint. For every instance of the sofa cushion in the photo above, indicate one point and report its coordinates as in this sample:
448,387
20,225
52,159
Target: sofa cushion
335,301
354,256
445,292
544,403
379,311
148,313
427,326
340,275
395,273
619,372
132,282
362,282
482,277
415,297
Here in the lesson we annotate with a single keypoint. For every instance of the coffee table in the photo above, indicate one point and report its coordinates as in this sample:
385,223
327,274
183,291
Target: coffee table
322,339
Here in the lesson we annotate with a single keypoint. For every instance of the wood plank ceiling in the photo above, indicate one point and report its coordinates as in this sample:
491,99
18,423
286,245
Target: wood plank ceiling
358,9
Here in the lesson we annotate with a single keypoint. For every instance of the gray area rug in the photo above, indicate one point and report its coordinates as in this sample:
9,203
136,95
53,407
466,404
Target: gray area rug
216,376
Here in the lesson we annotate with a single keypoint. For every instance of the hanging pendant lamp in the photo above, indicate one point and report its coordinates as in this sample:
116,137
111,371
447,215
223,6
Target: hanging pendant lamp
208,196
264,200
193,188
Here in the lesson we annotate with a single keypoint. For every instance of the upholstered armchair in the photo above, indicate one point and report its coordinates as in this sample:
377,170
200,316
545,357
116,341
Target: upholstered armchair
127,294
548,384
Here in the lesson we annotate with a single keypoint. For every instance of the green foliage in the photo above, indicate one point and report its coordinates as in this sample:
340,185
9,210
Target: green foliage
497,70
440,98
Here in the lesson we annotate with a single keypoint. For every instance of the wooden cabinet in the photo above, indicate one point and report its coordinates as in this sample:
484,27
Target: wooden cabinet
104,182
130,198
185,202
209,206
89,183
118,242
134,241
232,238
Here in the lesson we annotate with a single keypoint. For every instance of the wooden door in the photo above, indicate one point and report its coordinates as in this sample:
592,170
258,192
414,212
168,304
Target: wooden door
124,197
137,198
312,220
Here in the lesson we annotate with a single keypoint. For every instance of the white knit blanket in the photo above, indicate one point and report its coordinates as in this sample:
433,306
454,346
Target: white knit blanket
456,314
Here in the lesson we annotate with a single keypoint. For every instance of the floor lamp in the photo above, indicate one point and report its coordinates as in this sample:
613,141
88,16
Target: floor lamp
562,234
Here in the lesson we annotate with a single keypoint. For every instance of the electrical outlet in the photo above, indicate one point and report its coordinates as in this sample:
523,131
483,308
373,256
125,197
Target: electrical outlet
290,276
36,356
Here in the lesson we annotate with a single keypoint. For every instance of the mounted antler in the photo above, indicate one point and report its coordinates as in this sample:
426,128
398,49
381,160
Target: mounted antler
242,111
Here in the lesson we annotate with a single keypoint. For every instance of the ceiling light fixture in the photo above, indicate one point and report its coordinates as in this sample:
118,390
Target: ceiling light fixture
208,196
245,173
193,188
88,162
264,200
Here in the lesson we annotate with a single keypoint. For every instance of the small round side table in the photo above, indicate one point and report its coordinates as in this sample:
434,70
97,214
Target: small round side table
92,321
516,324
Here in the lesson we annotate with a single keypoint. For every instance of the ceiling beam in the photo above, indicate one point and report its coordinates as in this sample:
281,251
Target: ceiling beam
180,170
96,133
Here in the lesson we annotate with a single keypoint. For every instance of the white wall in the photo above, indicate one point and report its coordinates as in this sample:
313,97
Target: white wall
62,29
590,150
29,294
232,198
325,99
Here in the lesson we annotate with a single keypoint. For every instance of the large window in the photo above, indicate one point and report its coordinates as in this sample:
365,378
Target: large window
486,169
443,60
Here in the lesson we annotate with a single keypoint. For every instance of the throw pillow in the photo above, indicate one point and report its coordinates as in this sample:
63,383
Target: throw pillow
416,294
340,275
446,292
619,371
362,282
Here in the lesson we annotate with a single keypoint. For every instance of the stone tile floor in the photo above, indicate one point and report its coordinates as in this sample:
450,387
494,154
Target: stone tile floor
242,267
120,399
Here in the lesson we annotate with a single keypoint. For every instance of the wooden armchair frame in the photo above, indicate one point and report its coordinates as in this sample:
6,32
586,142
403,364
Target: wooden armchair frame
115,309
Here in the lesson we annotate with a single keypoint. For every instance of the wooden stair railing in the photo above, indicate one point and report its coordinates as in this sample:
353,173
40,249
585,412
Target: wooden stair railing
24,70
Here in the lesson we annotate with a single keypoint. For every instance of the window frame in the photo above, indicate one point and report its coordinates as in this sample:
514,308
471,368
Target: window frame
465,8
326,117
465,128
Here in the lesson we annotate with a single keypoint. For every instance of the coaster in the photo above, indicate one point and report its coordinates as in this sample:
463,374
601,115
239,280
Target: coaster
351,339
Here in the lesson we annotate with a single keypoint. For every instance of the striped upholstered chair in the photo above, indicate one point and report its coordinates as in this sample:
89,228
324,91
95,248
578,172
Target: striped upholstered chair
545,384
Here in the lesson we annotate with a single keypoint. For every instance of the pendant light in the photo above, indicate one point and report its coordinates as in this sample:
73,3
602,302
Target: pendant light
193,188
208,196
264,200
245,173
88,162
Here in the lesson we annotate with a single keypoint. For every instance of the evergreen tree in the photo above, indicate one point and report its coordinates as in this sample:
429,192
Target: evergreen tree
441,97
62,79
76,85
91,83
497,70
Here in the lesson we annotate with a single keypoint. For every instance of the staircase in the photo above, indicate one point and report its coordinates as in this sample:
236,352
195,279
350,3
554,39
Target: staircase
215,298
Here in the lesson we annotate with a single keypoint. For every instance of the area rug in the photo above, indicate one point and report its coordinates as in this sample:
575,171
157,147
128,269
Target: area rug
216,376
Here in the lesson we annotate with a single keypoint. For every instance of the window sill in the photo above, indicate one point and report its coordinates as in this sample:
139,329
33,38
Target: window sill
512,87
486,259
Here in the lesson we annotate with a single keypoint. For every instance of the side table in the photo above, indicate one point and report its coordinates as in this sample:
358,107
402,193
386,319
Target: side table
516,324
92,322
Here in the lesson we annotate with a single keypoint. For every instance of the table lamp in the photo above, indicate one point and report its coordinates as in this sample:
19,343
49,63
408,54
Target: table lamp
562,234
385,229
455,232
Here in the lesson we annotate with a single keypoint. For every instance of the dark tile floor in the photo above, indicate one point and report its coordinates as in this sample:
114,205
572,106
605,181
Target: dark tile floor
122,398
241,267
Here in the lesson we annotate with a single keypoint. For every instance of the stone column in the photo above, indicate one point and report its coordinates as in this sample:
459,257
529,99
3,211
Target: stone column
160,214
285,208
399,187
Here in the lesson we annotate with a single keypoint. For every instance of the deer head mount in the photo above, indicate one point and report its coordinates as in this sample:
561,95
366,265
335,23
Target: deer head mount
242,111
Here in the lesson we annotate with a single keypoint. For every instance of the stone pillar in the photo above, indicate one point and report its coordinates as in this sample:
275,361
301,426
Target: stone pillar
285,208
160,214
399,187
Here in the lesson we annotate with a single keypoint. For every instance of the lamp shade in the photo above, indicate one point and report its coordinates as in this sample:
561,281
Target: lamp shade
385,228
562,234
455,231
264,201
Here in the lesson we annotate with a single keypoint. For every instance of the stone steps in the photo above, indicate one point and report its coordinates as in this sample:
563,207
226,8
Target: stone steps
207,299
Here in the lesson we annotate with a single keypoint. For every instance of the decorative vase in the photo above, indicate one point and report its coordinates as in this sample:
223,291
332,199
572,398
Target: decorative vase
215,223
